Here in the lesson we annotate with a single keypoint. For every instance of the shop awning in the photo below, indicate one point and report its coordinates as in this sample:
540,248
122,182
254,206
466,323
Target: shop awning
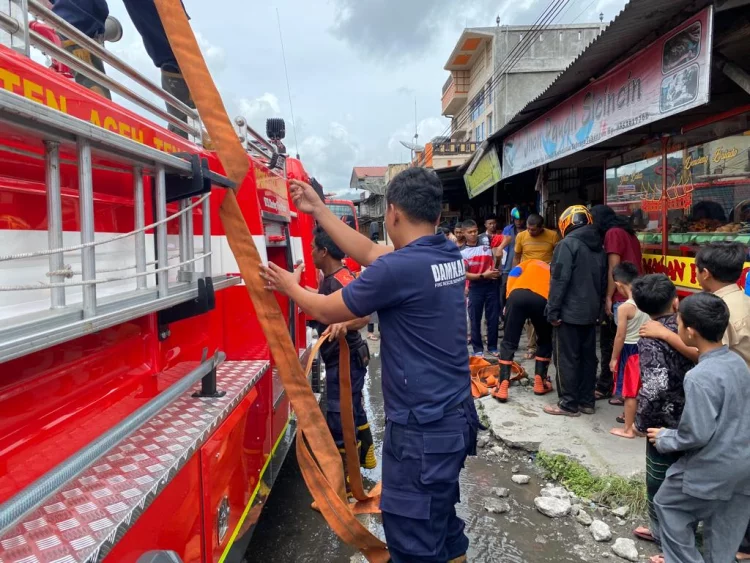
639,24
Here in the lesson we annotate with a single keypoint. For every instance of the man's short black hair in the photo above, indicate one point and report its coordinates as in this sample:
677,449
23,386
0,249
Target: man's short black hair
491,218
470,224
653,294
625,272
707,314
534,220
725,260
459,225
417,192
322,241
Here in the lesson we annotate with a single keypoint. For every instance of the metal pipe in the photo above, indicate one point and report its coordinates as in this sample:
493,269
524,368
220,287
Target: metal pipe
140,222
79,66
189,237
24,6
9,23
162,277
54,220
206,208
86,203
182,237
242,123
85,41
33,495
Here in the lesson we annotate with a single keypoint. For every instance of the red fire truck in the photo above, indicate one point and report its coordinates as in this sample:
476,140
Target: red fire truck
142,419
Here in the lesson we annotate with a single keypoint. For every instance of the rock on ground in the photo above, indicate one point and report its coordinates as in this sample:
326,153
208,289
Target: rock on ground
521,479
499,451
600,531
552,507
626,549
621,512
556,492
496,506
501,492
483,440
584,518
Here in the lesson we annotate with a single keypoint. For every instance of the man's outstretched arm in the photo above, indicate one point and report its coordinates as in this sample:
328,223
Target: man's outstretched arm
354,244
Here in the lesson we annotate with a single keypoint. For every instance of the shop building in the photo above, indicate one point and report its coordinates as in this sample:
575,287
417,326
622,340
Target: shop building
653,118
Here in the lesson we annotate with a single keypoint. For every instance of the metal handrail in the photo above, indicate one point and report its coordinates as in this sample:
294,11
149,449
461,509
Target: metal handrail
10,24
29,498
242,123
36,8
77,64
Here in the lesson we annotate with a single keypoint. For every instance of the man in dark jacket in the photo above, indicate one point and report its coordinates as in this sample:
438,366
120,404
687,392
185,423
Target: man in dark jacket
575,303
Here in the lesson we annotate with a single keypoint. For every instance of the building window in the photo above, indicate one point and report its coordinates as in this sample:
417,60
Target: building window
490,130
477,105
479,132
490,92
483,136
541,37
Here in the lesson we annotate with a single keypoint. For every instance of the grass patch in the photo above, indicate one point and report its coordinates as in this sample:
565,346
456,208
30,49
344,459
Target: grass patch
610,490
483,418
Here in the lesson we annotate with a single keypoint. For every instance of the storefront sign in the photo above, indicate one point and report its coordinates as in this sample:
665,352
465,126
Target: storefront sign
669,76
485,175
680,269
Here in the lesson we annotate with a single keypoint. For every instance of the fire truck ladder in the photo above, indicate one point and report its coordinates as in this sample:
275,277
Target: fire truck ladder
184,179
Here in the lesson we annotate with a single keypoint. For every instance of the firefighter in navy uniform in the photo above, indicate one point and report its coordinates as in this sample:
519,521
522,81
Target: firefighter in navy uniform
417,289
327,258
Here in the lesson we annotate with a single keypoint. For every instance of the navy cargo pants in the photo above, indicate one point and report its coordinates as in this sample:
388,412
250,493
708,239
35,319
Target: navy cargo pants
88,16
333,404
421,465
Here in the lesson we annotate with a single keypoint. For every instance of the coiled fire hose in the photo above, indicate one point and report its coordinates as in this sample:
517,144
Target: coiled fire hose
317,454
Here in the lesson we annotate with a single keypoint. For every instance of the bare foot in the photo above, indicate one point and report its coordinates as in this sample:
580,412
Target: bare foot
743,557
623,433
657,559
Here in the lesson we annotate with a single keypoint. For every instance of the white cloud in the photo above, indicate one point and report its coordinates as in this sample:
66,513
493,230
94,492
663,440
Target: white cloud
215,56
330,157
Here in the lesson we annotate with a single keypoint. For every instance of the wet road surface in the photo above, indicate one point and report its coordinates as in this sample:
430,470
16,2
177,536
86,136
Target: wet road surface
290,532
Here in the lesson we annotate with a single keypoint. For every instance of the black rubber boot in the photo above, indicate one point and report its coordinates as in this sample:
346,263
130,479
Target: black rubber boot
367,458
91,60
174,83
542,383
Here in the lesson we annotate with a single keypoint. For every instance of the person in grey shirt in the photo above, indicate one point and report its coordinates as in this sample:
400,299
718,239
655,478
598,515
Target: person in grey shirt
710,483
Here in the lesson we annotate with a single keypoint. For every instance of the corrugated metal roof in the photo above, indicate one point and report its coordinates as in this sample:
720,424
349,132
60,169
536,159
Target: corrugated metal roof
370,171
637,25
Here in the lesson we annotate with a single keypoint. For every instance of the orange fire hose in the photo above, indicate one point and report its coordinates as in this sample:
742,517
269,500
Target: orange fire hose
317,454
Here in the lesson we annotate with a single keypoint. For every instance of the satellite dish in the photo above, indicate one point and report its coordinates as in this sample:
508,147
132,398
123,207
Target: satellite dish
412,146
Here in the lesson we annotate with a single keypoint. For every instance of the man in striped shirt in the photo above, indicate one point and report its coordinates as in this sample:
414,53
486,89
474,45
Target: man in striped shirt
484,285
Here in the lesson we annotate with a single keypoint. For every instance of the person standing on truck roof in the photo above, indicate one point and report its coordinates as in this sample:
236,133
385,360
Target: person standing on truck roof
431,422
327,258
89,16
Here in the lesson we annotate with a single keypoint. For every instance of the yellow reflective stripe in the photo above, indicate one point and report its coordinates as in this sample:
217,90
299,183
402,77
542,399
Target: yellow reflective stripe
233,537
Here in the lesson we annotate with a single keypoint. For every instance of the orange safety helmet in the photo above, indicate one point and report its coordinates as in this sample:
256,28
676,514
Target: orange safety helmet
573,217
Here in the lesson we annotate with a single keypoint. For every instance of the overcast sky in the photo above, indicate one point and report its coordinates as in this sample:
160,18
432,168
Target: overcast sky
355,67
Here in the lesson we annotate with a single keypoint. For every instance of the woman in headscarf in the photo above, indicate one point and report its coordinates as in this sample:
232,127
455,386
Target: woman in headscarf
620,245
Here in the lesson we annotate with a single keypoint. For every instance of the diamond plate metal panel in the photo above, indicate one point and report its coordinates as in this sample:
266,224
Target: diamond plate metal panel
88,515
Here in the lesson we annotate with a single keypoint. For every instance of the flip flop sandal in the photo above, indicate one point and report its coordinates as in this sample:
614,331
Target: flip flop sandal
599,396
641,532
616,401
554,410
621,420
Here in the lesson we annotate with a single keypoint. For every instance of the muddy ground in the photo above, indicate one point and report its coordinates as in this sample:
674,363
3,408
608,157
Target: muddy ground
289,531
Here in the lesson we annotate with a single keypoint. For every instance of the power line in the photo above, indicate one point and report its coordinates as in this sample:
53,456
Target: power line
584,10
550,13
544,20
288,87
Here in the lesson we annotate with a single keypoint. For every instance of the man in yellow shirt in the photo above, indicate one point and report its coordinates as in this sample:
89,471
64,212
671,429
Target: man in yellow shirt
536,242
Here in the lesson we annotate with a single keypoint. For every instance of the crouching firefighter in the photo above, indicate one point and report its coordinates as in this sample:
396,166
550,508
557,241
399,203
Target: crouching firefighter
327,258
416,287
527,291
